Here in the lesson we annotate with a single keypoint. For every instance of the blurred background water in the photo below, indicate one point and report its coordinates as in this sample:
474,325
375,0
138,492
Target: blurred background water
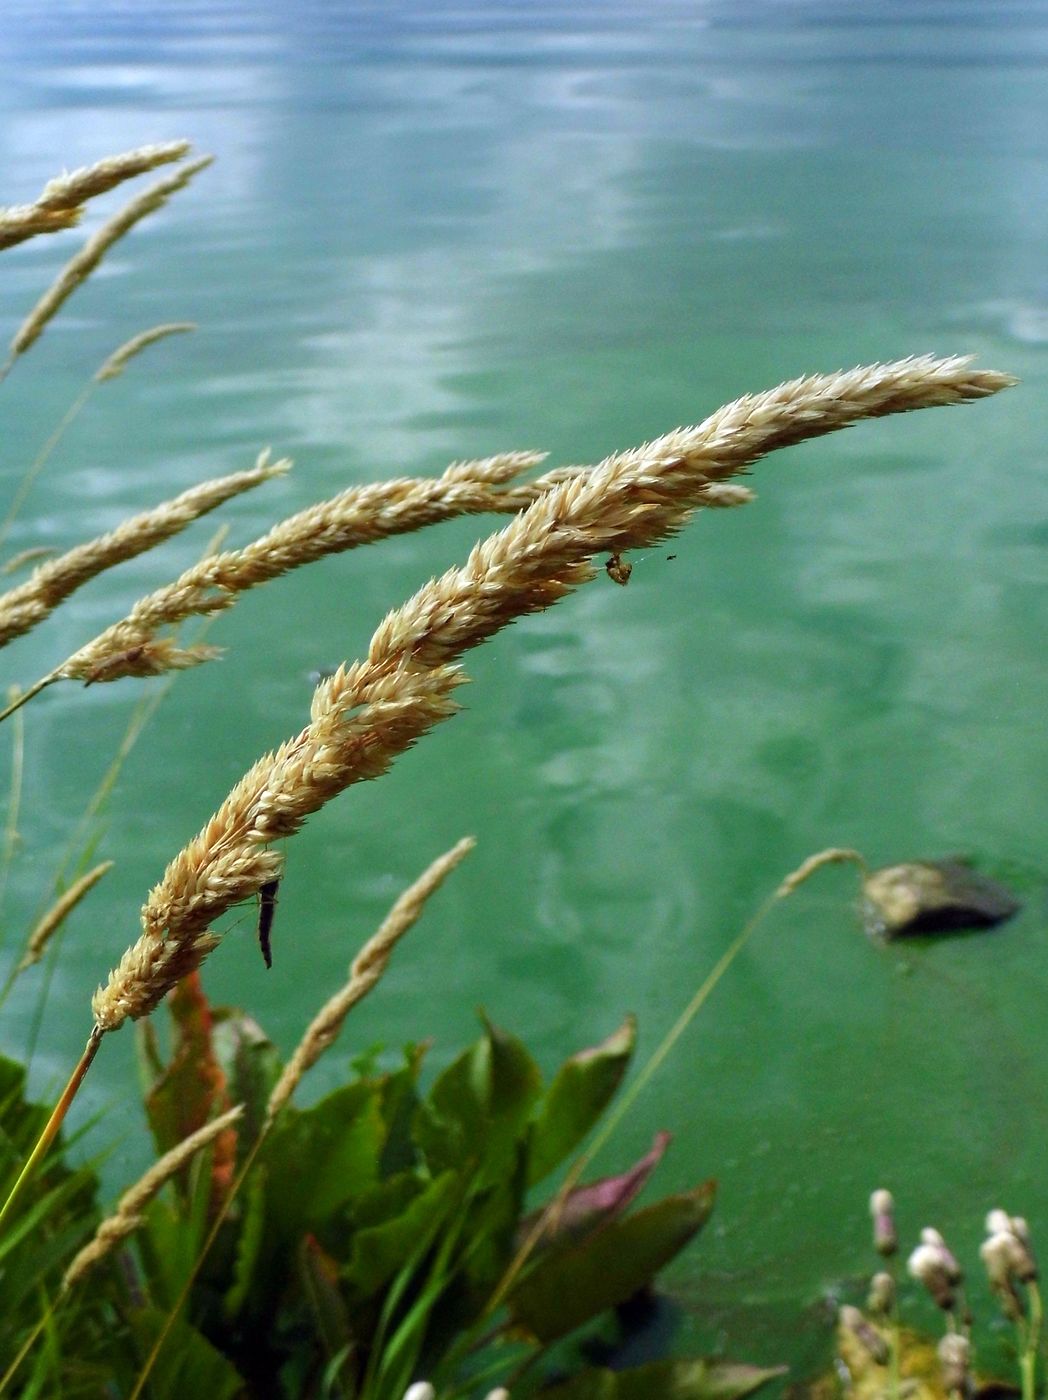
436,231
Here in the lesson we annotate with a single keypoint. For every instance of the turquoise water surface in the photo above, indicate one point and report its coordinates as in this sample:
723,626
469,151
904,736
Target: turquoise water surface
442,231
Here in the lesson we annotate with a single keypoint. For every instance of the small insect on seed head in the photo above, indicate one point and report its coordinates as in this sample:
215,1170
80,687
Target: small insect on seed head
619,569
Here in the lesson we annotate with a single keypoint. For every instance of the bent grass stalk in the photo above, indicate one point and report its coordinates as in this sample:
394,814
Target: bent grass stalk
60,204
24,607
365,973
83,263
367,969
127,1217
46,927
366,715
361,515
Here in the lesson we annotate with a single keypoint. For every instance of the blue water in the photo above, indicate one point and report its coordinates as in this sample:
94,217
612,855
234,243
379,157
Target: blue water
441,231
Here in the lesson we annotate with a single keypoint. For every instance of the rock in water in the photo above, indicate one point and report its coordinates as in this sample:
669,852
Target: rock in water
933,896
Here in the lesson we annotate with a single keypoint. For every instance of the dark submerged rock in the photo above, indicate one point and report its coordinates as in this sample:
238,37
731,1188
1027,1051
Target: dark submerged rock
933,896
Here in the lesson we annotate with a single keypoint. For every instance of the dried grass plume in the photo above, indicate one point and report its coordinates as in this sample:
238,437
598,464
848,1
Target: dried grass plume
368,713
128,1215
118,360
55,917
83,263
22,608
60,203
365,972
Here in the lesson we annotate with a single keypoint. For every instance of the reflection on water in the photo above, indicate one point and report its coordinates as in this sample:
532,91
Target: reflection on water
442,232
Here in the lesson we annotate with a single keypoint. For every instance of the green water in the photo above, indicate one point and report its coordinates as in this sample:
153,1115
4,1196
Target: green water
442,231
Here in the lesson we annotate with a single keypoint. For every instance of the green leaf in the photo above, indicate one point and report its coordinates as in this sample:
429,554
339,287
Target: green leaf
479,1106
318,1275
579,1094
575,1283
667,1380
319,1160
399,1102
490,1231
252,1066
248,1245
380,1250
190,1364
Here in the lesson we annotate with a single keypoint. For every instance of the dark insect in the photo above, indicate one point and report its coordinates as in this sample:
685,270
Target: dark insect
619,569
114,663
267,908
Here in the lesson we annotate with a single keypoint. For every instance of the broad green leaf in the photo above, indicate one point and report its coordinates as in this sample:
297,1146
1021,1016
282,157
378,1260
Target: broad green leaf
190,1365
575,1283
379,1251
319,1160
489,1234
667,1380
387,1199
318,1275
248,1245
479,1106
579,1094
251,1064
399,1102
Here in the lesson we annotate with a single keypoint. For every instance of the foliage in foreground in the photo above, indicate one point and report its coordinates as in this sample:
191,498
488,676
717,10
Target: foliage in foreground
378,1236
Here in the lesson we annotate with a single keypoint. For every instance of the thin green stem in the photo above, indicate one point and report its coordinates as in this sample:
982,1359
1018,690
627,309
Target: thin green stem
1030,1341
54,1123
24,1350
80,839
684,1020
41,458
14,800
205,1249
26,695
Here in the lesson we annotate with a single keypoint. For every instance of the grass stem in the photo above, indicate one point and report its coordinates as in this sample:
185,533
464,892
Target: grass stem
54,1123
25,695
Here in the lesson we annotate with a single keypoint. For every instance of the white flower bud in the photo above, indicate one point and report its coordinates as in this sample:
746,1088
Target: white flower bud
885,1237
955,1359
925,1264
998,1222
998,1255
421,1390
881,1299
868,1337
933,1240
